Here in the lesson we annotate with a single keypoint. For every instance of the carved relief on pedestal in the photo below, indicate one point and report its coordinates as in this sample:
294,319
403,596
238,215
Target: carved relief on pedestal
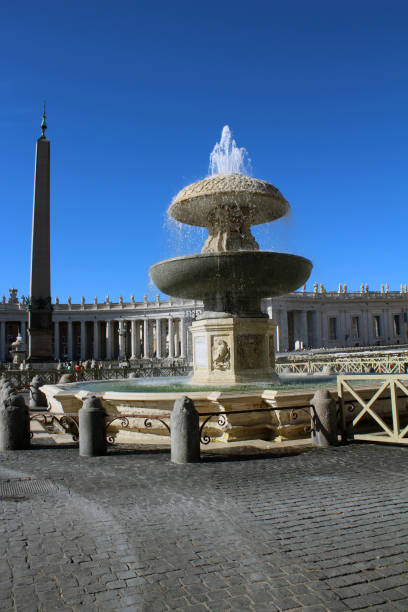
250,347
221,354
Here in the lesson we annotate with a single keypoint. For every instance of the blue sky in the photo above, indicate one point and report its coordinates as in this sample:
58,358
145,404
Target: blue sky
137,94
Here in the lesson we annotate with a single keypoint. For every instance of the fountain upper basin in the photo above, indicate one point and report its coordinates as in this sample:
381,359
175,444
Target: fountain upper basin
261,201
234,281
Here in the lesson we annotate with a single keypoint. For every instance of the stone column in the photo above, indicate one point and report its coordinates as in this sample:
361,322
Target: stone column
2,340
183,352
393,335
158,339
339,328
177,339
277,316
69,342
56,340
23,331
283,331
388,331
318,329
137,345
171,338
325,331
146,338
344,326
133,330
369,332
122,344
362,328
95,340
83,341
109,340
303,326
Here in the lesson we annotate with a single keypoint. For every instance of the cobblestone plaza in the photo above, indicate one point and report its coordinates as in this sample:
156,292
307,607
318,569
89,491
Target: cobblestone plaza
295,529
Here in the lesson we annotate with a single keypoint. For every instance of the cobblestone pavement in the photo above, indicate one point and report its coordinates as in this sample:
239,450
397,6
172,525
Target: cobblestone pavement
311,531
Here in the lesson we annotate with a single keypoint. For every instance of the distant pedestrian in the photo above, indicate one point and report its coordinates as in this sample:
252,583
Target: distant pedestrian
78,369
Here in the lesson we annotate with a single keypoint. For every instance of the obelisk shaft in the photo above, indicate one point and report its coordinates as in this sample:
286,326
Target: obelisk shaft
40,310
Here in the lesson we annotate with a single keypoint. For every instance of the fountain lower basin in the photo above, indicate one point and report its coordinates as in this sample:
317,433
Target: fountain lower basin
262,413
123,397
232,282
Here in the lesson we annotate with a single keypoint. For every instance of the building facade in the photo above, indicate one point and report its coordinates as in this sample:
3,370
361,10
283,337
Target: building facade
341,319
160,329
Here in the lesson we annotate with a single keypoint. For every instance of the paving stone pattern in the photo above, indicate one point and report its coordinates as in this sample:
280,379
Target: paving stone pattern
315,531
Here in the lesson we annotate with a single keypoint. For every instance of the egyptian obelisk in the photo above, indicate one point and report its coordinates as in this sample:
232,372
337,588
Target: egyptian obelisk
40,309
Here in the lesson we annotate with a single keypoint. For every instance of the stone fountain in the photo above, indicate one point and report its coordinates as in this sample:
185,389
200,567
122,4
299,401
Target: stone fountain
233,340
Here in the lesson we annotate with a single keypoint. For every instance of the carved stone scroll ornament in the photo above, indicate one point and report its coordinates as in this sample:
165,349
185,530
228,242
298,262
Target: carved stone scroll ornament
221,354
229,230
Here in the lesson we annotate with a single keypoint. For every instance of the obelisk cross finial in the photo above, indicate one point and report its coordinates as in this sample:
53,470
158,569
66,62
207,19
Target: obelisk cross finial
43,122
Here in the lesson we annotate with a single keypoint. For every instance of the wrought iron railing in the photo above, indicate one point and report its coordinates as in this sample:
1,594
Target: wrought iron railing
68,422
393,364
65,423
222,418
125,422
21,379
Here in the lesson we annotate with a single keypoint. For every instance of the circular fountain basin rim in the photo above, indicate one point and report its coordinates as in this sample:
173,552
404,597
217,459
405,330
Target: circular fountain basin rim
224,254
242,273
289,383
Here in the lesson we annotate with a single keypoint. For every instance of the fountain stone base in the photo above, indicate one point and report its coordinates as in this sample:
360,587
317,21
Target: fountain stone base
233,350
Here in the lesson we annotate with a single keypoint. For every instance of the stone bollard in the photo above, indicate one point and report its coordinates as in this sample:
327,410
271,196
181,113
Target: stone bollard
185,432
37,397
6,390
92,428
14,422
324,419
66,378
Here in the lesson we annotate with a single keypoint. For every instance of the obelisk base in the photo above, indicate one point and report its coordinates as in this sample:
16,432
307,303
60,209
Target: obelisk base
233,350
40,336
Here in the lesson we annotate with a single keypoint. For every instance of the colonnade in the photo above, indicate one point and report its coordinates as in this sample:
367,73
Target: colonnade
122,338
160,330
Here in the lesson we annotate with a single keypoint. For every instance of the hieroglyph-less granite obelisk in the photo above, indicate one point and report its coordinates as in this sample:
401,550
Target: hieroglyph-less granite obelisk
40,309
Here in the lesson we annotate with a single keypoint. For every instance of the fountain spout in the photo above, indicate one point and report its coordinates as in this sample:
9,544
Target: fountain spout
227,157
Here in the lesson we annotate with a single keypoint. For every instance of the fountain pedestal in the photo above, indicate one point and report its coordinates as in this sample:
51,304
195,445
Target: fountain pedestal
233,350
